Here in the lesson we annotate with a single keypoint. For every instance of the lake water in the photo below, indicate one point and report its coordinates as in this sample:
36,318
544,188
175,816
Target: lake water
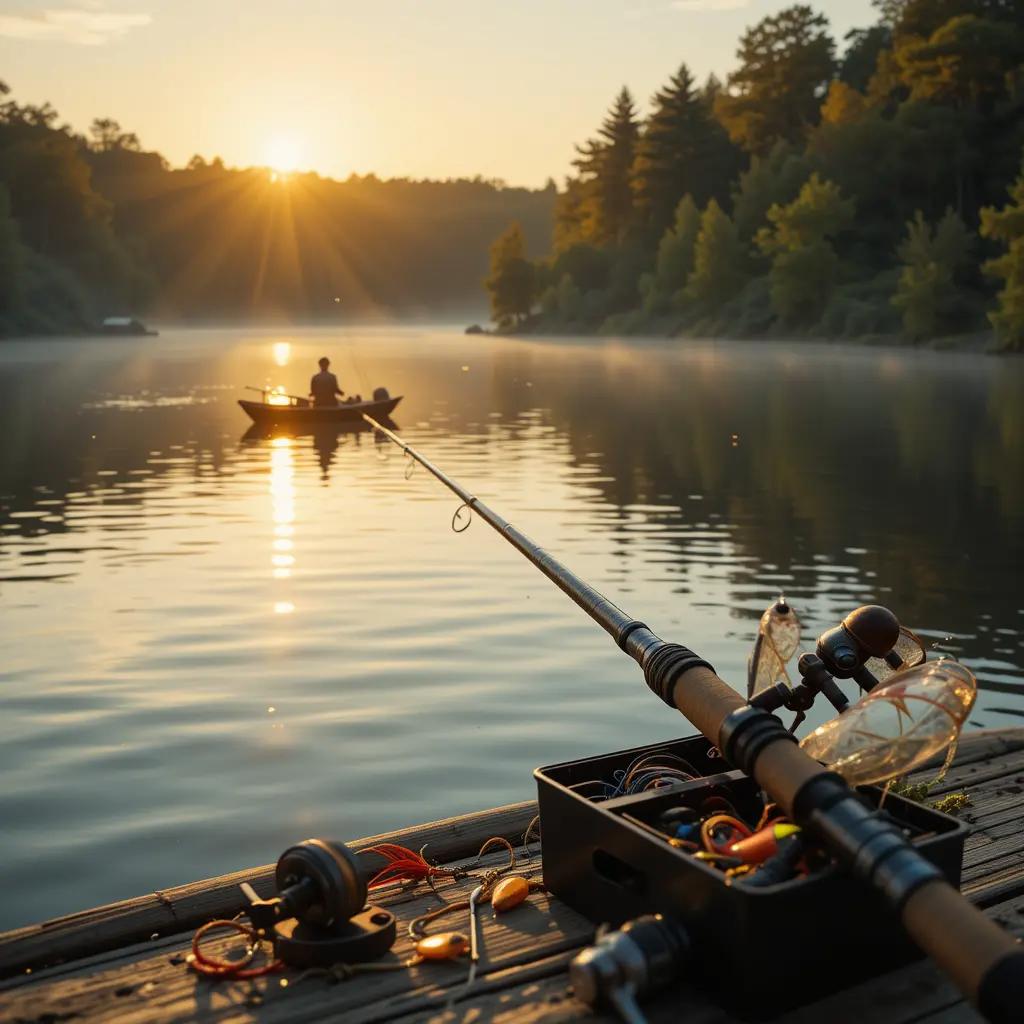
216,645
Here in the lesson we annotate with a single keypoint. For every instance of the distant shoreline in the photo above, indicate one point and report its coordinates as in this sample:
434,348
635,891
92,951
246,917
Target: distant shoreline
976,342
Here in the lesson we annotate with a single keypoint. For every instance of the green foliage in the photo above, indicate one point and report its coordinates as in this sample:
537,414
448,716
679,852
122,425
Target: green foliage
863,49
719,267
602,208
106,228
862,308
786,62
770,180
920,123
587,266
683,151
674,261
107,136
629,262
12,259
1007,226
967,59
512,281
933,264
799,240
843,104
818,212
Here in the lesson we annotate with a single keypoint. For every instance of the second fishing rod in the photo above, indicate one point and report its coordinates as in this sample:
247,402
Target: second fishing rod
985,962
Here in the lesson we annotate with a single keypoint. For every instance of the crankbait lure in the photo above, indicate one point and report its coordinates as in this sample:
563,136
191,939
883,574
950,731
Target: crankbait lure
778,636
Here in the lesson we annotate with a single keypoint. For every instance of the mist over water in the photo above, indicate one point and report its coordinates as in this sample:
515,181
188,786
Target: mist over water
215,645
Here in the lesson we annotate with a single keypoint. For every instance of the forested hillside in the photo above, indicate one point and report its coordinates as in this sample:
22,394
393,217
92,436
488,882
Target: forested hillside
93,226
865,186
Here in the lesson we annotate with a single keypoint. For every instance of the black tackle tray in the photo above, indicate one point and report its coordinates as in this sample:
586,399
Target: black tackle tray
762,949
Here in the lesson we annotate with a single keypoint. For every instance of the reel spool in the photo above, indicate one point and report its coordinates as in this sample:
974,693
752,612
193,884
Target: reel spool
320,915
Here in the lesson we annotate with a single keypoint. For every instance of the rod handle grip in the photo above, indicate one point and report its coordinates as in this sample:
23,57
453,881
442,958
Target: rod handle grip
984,961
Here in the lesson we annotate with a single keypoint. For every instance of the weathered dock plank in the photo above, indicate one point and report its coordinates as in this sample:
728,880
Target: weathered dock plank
522,973
169,911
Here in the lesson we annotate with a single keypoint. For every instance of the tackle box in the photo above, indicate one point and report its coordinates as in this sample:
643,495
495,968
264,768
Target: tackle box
762,949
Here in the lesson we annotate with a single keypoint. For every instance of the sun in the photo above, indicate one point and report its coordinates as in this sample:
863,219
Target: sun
283,154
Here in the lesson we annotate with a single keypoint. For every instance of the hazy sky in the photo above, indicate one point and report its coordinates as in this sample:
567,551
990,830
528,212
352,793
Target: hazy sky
423,88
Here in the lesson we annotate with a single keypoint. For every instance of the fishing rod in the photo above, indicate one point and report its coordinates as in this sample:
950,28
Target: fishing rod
984,961
271,391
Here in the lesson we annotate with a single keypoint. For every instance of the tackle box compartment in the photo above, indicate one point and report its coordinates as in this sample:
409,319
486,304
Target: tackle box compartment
761,949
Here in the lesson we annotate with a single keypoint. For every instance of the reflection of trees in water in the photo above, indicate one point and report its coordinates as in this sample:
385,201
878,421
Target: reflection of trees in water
53,447
914,462
917,464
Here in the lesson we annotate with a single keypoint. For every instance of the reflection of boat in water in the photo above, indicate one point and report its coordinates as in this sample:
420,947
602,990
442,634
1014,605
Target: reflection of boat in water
325,436
270,414
268,430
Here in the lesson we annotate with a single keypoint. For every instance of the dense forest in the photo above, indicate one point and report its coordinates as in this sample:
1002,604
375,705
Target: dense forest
873,188
93,225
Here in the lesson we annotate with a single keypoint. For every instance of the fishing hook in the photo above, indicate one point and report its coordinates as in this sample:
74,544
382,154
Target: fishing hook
411,467
467,505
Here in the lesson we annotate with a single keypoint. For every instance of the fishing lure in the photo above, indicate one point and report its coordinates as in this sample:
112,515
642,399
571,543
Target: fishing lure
899,725
778,636
764,844
443,946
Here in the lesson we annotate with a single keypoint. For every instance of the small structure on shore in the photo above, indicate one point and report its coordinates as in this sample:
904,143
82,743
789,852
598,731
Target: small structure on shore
126,325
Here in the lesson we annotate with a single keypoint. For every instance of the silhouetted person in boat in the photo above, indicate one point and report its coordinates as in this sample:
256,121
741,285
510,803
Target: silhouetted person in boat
323,388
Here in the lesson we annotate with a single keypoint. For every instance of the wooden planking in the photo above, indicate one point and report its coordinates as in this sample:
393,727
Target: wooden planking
918,991
175,910
522,977
147,986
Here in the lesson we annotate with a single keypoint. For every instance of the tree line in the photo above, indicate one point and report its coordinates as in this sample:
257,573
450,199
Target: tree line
93,225
872,188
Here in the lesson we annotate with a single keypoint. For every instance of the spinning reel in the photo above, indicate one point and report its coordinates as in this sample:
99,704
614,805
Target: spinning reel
868,645
320,915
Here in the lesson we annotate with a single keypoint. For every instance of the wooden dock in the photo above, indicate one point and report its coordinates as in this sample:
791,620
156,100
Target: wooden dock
126,962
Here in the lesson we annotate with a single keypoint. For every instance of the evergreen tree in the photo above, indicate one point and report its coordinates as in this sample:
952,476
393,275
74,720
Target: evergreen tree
1007,226
512,279
718,262
683,150
864,47
674,264
799,240
606,170
933,262
786,63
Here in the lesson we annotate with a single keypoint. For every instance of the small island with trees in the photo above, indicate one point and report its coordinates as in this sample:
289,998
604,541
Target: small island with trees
872,191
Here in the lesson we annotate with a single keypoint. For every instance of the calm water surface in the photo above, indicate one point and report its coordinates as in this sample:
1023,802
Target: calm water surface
215,644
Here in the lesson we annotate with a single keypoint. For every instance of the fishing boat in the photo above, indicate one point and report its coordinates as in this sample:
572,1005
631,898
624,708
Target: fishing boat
278,409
